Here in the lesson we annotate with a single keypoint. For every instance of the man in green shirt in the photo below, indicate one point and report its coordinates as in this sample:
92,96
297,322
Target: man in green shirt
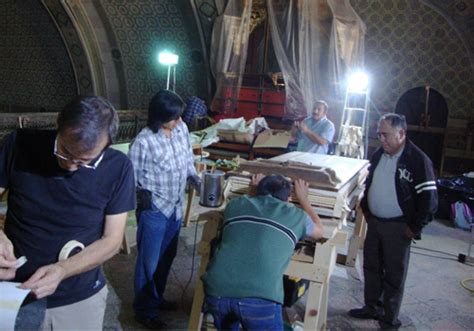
244,280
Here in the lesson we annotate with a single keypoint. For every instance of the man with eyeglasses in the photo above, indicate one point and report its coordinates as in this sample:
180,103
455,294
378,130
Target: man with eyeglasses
66,188
315,133
400,199
163,160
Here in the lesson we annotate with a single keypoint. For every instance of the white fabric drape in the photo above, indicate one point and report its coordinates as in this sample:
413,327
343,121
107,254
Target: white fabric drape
298,30
316,43
347,38
229,52
315,46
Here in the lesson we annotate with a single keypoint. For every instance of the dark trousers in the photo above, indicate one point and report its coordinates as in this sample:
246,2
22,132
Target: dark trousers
386,258
251,313
157,244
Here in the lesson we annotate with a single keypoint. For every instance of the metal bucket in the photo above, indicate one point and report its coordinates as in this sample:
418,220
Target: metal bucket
212,185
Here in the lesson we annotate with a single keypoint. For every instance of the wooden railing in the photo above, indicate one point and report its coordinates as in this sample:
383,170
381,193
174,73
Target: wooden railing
458,144
131,122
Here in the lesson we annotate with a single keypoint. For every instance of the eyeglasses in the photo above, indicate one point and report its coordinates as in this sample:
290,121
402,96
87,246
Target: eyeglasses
79,163
318,110
385,135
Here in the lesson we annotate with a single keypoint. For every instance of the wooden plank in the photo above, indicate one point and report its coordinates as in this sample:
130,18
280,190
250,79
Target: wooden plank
231,146
326,203
344,168
129,239
209,232
356,241
313,306
327,172
324,178
323,310
189,205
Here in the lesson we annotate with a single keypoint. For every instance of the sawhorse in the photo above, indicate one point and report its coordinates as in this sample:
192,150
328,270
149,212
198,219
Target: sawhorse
317,269
356,241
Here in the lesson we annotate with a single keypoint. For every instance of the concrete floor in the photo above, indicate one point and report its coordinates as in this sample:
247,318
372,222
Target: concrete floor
434,298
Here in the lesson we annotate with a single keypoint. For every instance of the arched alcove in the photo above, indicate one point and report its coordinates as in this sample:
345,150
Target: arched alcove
426,111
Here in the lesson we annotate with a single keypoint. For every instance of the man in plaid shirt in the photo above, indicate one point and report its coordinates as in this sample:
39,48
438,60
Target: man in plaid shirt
195,107
163,160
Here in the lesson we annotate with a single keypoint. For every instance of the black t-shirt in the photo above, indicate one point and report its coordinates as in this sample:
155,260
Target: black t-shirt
49,206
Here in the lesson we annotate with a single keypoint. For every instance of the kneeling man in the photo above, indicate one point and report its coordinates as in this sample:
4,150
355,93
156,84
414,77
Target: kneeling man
244,280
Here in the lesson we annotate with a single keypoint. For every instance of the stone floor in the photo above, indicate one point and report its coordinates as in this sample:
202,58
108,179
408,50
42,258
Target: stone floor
434,298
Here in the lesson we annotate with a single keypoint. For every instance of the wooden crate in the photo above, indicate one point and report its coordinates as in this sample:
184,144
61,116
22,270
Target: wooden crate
273,110
235,136
249,94
273,97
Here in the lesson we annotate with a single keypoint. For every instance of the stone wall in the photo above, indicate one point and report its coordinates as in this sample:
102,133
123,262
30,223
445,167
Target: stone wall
35,70
143,29
410,44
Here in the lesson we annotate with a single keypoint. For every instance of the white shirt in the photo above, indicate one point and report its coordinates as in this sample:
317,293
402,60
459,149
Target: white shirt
382,197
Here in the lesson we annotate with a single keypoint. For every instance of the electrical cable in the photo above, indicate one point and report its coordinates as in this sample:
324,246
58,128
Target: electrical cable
434,251
185,288
438,257
464,284
456,258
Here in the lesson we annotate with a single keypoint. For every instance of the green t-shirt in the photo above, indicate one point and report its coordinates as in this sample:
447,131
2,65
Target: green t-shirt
258,239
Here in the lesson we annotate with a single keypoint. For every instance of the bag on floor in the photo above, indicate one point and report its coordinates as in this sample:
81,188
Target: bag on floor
461,215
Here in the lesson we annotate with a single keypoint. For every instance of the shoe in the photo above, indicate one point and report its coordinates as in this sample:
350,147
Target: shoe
364,313
168,305
384,325
153,323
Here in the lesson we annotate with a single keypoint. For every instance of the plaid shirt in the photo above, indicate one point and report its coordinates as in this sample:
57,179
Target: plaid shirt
162,165
194,107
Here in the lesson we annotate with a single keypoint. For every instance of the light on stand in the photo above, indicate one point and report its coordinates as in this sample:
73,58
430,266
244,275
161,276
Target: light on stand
358,82
353,133
171,60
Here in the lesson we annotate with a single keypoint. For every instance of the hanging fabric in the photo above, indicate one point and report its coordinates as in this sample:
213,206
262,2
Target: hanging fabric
347,40
298,29
315,42
229,53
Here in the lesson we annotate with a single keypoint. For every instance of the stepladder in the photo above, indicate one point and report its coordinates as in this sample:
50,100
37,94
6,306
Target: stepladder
353,132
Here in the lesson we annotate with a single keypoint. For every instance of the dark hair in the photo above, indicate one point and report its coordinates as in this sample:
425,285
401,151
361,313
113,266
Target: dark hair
396,121
165,106
276,185
317,103
87,119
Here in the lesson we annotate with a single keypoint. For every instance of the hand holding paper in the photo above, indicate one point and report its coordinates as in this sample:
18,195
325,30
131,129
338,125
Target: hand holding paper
45,280
7,258
11,298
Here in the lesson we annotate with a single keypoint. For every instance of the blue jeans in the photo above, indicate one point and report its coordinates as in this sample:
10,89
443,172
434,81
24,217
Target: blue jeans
251,313
157,244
